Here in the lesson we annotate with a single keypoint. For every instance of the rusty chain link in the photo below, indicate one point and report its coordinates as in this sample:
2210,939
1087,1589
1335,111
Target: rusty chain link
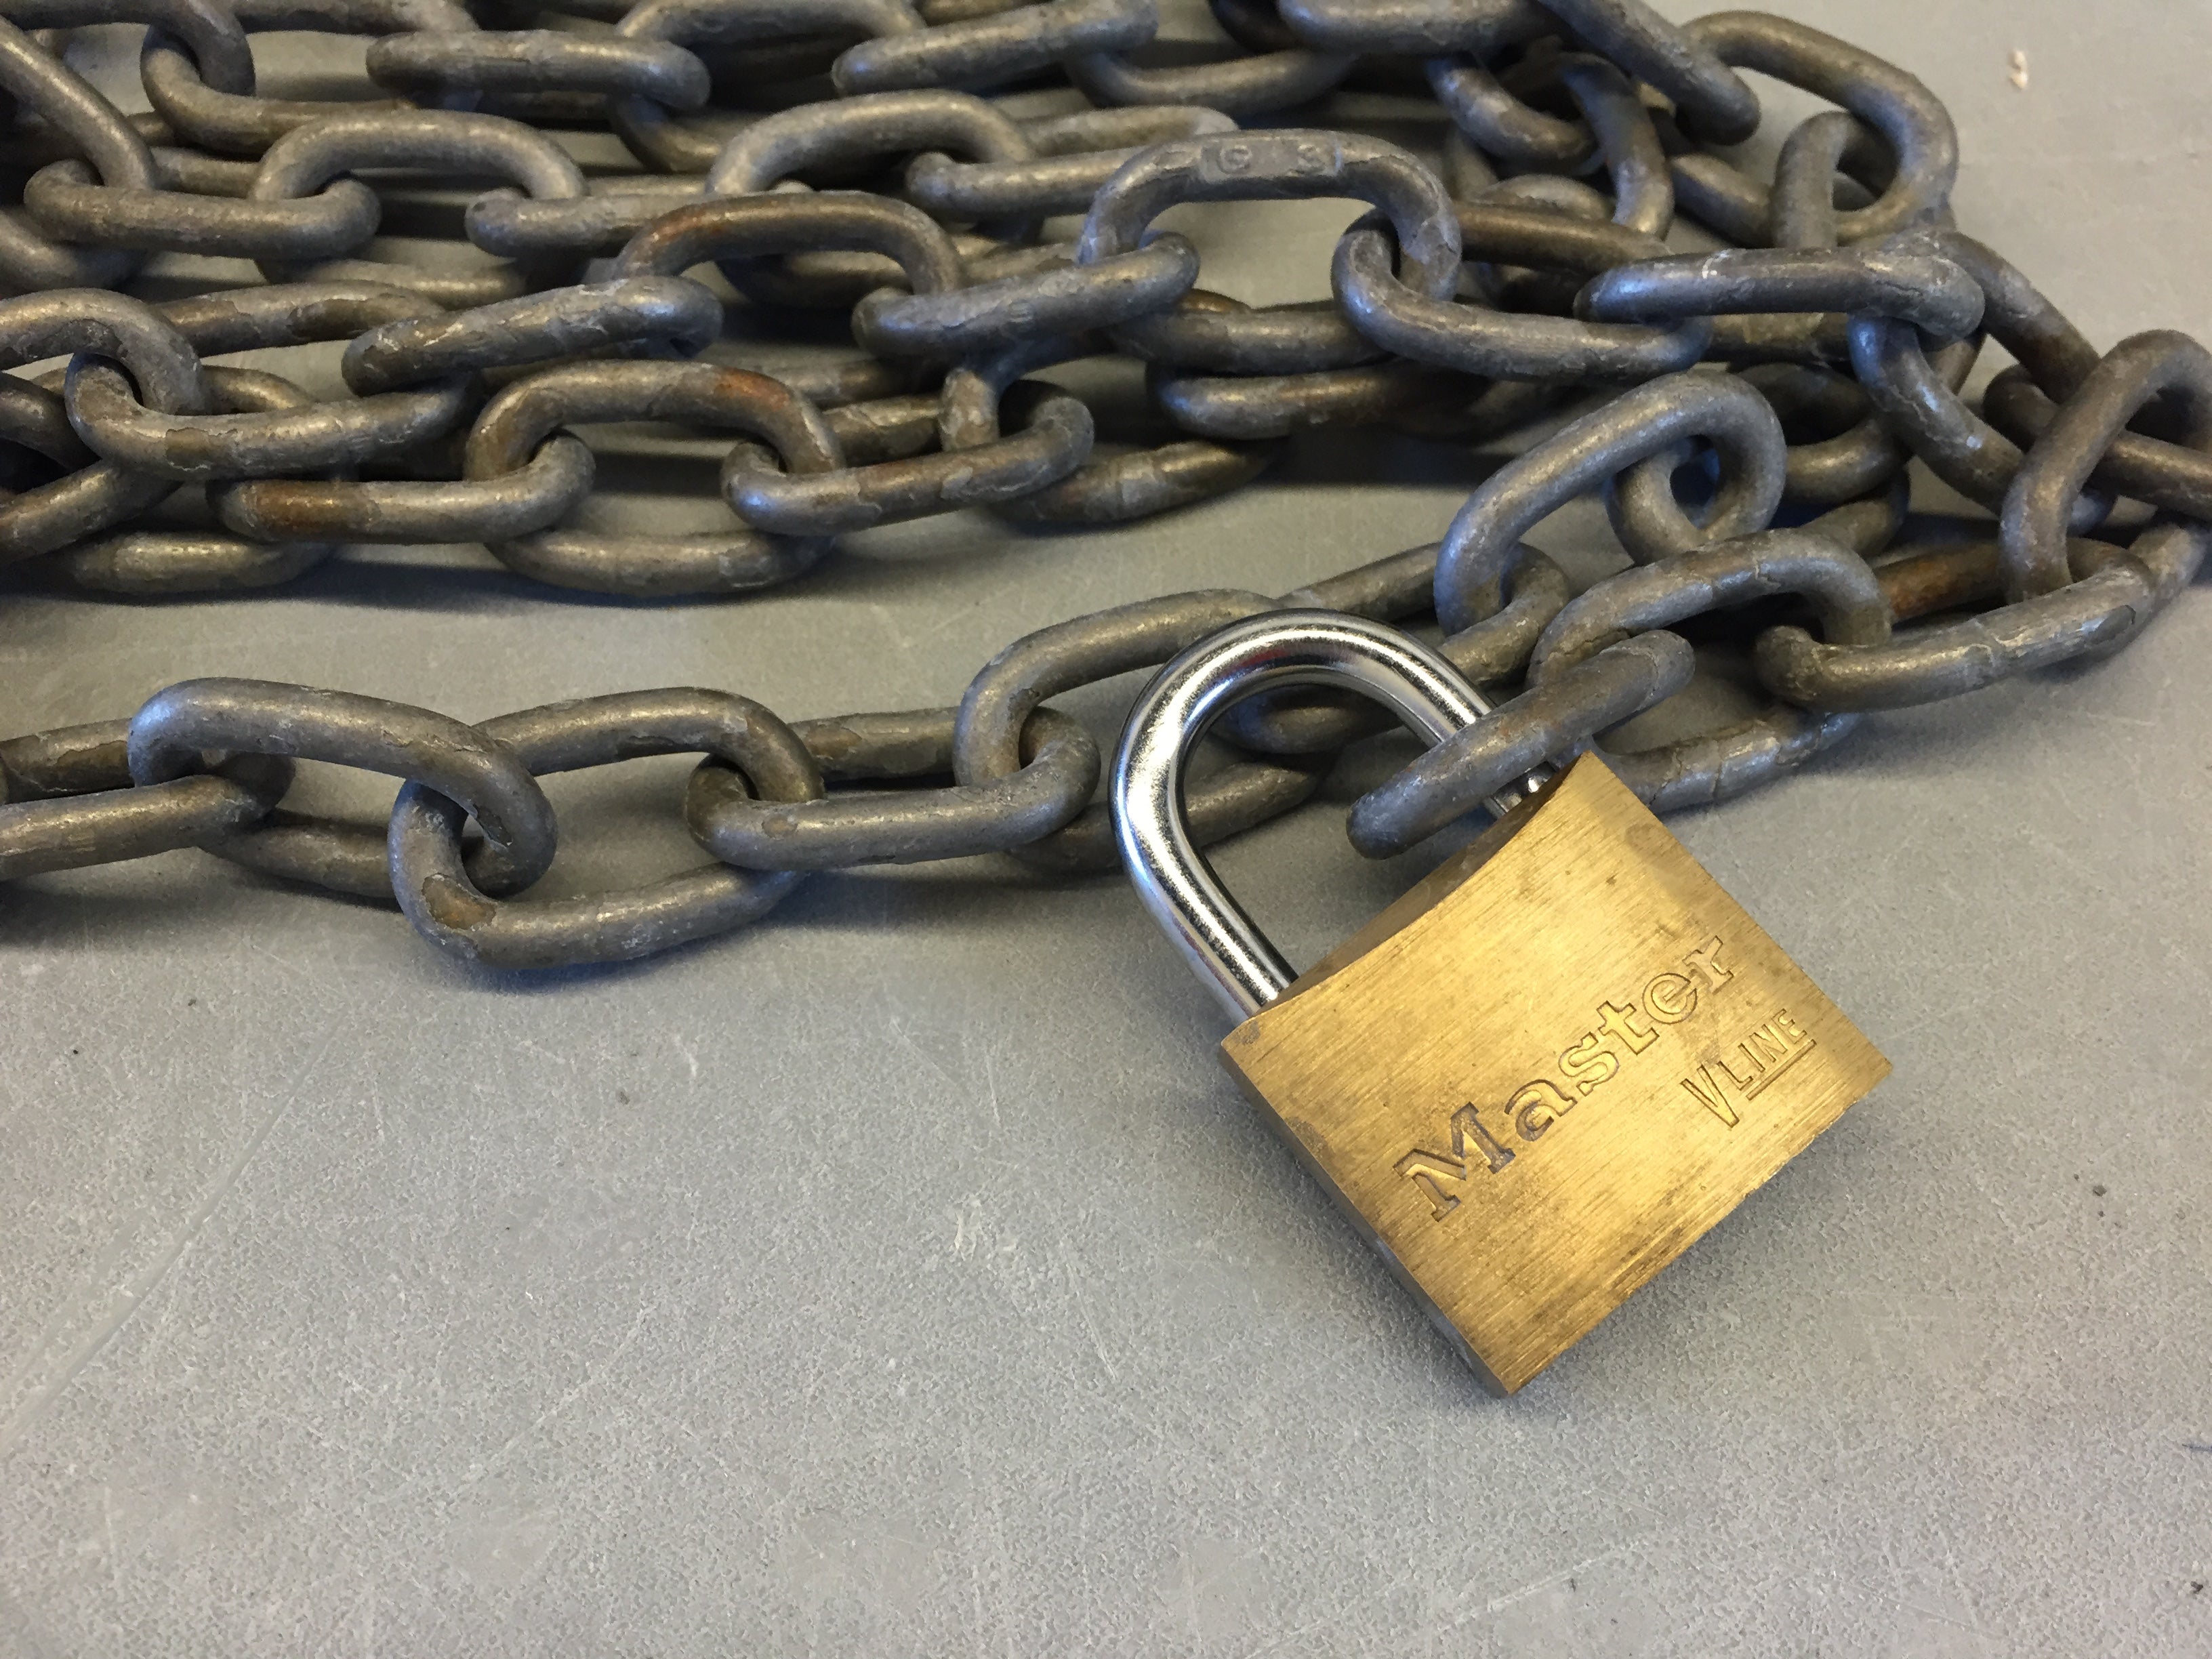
1571,236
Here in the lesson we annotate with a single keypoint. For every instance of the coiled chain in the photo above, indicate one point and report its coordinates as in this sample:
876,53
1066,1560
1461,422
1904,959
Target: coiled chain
1748,411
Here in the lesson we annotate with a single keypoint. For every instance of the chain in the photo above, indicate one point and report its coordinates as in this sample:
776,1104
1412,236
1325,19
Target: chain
1524,272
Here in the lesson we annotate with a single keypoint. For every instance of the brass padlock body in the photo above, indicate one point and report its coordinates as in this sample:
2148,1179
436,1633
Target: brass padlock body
1549,1069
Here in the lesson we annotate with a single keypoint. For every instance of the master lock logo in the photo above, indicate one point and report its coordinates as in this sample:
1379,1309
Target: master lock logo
1620,1034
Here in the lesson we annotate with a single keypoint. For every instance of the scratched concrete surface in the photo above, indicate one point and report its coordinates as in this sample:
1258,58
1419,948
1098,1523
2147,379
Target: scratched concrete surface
904,1278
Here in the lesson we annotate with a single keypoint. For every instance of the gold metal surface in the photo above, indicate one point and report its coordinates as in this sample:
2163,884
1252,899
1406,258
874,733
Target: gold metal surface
1547,1072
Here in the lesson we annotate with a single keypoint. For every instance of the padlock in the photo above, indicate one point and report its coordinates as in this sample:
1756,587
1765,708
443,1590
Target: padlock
1538,1076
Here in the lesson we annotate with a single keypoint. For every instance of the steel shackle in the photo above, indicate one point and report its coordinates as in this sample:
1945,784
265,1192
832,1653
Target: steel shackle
1275,649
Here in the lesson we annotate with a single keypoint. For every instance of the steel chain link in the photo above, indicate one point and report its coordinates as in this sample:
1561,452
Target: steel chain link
843,156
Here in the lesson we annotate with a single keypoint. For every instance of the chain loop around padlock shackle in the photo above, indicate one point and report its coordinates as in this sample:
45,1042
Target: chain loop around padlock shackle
1278,649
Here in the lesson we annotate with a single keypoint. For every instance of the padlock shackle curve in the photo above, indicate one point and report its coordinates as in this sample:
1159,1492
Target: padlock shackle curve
1279,648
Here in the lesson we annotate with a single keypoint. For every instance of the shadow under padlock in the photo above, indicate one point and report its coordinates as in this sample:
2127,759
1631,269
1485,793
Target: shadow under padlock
1541,1074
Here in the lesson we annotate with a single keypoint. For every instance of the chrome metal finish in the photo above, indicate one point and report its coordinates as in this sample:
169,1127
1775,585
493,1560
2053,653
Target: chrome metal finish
1281,648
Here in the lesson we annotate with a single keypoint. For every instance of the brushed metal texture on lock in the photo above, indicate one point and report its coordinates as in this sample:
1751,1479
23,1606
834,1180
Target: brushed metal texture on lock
1546,1073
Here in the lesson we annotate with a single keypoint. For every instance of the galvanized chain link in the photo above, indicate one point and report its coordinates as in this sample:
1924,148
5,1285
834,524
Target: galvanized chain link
857,158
